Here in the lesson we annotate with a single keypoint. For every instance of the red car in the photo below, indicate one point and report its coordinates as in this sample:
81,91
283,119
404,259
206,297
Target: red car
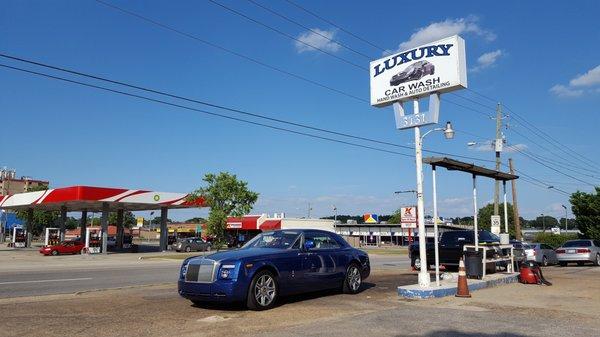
65,247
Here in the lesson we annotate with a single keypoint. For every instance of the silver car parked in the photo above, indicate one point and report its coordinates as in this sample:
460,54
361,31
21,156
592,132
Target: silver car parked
580,251
541,253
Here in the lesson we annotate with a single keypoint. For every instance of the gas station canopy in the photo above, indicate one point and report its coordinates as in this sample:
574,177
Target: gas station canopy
93,199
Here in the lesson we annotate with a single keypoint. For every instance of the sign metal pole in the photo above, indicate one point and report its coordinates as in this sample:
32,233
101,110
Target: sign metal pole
424,279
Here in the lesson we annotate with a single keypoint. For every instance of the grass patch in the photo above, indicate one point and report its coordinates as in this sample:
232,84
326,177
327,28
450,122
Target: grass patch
178,256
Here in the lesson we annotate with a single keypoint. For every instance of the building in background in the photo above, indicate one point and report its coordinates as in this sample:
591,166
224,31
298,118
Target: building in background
10,184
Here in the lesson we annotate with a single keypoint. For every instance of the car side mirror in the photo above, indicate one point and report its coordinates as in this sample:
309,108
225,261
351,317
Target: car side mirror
309,244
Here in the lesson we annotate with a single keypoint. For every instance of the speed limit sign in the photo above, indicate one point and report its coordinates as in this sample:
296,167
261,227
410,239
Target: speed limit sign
495,224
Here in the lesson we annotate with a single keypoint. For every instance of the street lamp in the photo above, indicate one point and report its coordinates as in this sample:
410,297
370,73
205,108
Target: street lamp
424,280
543,223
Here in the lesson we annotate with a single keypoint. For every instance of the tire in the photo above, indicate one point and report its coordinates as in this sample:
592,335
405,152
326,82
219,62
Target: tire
597,262
544,261
417,263
352,280
562,264
188,249
54,252
208,248
263,291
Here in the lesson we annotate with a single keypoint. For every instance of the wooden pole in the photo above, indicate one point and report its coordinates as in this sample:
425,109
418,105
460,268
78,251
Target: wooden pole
513,183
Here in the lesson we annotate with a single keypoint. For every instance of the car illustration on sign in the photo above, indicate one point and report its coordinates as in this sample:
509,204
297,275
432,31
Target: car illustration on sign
413,72
274,264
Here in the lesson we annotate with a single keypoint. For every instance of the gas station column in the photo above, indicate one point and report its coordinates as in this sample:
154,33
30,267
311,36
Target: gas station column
63,220
29,226
164,232
83,226
104,225
120,228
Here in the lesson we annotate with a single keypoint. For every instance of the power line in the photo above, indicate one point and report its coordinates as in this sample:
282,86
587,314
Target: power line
310,29
227,50
335,25
200,110
213,105
282,33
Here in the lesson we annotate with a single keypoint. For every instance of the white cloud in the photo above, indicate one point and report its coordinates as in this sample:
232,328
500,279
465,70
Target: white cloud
487,60
317,38
564,91
576,86
442,29
590,78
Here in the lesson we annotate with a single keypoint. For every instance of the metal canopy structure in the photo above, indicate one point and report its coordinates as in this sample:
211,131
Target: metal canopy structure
98,199
475,171
455,165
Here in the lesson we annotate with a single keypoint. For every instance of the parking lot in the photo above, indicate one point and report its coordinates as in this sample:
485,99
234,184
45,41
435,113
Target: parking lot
151,306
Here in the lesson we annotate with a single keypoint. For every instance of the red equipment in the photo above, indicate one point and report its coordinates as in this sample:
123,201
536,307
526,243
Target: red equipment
531,273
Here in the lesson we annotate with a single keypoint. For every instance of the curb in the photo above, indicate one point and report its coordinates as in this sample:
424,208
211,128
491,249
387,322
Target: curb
414,292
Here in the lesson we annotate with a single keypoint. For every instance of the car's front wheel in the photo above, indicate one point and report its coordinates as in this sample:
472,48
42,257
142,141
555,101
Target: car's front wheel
353,280
263,291
54,252
188,249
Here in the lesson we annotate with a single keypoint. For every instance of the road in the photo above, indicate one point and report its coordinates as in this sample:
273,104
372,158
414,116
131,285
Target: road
61,281
72,274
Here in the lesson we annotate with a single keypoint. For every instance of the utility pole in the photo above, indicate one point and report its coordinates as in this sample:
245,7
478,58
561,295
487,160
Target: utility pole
309,209
515,207
498,148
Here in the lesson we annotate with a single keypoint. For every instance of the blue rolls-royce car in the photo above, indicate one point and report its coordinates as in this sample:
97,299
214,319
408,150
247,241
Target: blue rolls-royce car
275,264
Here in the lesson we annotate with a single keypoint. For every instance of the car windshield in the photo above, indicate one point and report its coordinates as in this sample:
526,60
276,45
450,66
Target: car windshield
578,243
487,236
277,239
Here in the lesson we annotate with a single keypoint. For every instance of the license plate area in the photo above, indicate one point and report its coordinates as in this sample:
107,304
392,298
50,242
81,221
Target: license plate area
571,251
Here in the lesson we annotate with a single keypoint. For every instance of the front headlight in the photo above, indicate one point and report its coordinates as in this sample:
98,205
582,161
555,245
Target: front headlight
183,270
227,272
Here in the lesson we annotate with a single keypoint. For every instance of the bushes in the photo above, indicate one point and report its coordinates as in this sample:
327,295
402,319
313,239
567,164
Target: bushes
554,240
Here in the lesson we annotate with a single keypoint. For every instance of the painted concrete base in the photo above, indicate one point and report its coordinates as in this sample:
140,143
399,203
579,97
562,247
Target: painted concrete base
448,287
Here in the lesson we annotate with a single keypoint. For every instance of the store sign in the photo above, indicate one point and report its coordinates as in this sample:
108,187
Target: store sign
438,66
408,217
371,218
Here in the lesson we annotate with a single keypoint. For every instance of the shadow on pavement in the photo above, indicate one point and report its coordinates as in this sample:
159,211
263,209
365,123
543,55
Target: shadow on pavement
454,333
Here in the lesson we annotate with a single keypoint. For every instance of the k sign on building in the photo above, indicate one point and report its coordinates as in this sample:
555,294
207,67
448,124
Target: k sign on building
438,66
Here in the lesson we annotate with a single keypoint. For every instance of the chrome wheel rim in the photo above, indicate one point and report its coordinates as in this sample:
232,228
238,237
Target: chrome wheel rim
417,263
354,279
264,290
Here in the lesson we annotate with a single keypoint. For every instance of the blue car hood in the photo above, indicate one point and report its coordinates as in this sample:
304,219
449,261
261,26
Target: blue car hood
238,254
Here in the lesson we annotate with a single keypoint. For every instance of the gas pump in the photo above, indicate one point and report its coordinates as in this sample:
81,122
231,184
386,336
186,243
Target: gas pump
19,238
52,237
93,241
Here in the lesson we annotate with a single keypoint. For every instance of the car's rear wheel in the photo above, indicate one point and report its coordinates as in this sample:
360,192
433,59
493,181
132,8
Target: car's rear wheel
188,249
580,263
353,280
562,264
597,262
54,252
263,291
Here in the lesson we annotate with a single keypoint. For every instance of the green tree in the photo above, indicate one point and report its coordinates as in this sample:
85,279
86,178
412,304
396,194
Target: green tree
484,218
586,207
198,220
396,217
156,220
226,196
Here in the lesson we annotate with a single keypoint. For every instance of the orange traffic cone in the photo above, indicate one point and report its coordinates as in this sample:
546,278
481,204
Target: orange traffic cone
462,289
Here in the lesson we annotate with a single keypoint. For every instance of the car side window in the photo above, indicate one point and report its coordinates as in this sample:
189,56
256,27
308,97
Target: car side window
322,240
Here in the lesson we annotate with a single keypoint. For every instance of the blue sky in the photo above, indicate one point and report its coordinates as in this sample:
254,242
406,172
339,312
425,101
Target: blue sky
538,58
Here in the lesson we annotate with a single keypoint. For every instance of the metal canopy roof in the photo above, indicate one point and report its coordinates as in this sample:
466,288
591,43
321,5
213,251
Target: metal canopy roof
456,165
89,198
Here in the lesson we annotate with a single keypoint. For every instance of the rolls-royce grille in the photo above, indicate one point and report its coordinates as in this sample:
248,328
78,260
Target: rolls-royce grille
200,272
